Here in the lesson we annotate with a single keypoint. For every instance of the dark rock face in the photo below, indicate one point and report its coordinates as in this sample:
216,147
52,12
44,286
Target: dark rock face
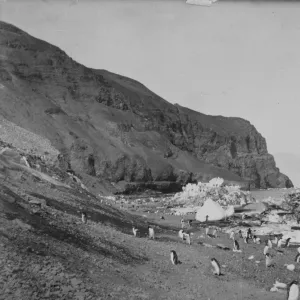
111,127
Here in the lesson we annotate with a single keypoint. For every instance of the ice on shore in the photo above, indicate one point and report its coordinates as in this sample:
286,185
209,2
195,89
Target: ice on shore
225,195
214,211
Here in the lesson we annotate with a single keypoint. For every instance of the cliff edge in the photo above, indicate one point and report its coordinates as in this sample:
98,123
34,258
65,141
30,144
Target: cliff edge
112,129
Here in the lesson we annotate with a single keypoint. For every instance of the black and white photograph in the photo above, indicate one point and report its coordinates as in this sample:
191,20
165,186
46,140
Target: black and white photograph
149,149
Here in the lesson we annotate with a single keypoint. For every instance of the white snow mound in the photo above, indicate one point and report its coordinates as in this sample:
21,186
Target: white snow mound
213,210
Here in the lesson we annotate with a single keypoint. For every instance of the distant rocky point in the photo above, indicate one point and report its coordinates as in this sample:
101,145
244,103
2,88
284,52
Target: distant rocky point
114,132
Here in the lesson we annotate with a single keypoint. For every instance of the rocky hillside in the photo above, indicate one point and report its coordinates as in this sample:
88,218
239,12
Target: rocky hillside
114,132
47,253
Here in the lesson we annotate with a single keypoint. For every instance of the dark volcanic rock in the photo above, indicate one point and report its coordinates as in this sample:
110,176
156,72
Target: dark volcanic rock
113,128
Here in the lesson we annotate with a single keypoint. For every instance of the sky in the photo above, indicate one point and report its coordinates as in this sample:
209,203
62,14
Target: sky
235,58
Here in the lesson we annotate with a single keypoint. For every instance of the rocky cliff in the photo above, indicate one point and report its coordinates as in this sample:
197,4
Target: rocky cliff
109,128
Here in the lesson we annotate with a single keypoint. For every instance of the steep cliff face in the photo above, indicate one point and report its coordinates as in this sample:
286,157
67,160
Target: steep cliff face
113,128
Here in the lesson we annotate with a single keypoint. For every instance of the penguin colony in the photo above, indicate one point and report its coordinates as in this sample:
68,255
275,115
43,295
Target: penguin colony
292,288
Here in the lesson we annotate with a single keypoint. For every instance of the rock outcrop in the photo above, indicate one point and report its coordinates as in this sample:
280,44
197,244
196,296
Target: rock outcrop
113,128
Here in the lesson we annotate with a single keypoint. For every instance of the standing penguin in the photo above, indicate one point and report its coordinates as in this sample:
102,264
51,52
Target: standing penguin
275,241
215,233
241,234
135,231
232,235
293,291
249,233
270,243
151,232
182,223
266,249
297,258
190,223
236,246
207,230
269,260
287,242
84,217
174,257
187,237
246,239
180,234
280,242
206,218
256,239
216,266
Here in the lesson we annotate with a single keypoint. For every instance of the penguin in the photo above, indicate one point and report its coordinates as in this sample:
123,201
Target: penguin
275,241
215,233
249,233
180,234
182,223
241,234
246,239
297,258
269,260
162,217
279,244
187,237
174,257
243,216
216,266
190,223
266,249
236,246
84,217
232,235
206,218
255,239
293,290
135,231
151,232
206,230
270,243
287,242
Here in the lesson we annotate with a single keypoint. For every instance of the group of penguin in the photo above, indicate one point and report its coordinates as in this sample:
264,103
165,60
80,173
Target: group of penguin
186,236
136,232
292,288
